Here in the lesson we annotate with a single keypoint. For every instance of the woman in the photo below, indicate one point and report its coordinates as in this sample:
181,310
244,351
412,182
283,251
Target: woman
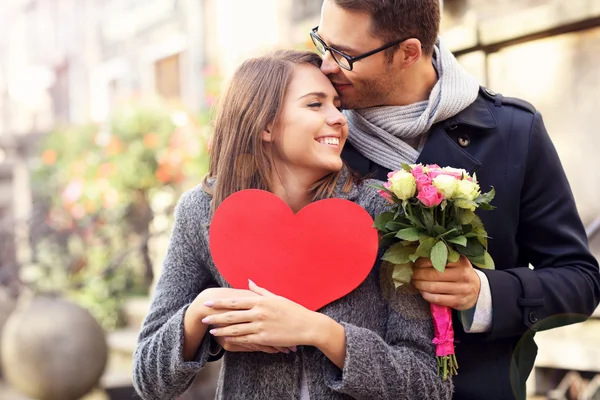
279,129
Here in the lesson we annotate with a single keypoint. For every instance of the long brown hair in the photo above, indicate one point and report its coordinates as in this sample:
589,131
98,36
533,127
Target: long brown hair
253,100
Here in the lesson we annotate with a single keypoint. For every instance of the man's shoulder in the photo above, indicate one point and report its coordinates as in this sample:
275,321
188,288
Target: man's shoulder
504,101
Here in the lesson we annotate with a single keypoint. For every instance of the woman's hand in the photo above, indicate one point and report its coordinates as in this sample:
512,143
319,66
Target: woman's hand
271,320
197,311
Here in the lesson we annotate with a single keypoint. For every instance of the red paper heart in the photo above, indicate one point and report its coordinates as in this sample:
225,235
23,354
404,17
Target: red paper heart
312,258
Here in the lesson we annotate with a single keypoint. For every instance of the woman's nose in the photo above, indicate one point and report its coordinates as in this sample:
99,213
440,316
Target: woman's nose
337,119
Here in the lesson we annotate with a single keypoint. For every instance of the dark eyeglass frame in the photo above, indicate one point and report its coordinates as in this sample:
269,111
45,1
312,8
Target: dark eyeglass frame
351,60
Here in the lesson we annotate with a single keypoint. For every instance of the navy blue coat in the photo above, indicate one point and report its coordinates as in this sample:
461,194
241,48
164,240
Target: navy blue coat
535,223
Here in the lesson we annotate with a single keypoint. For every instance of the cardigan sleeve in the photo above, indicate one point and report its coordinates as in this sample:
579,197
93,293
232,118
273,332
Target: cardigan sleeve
401,365
159,371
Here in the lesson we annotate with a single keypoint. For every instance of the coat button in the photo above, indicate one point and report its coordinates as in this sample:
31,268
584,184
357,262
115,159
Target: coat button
464,140
490,92
533,317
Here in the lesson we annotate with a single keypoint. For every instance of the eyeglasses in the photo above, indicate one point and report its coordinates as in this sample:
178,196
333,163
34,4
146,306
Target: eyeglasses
344,60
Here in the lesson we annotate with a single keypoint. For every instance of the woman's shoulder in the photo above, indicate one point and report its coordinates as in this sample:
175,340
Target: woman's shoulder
195,205
370,199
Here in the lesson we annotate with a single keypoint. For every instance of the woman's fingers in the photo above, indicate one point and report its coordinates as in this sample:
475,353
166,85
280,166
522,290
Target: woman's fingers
240,303
229,318
235,330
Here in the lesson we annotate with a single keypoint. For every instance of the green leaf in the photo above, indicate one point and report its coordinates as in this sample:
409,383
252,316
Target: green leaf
407,168
439,256
410,234
398,254
382,220
396,226
402,274
465,216
453,255
477,223
445,232
486,197
413,257
440,230
424,249
428,218
415,221
486,207
460,240
378,186
474,248
485,262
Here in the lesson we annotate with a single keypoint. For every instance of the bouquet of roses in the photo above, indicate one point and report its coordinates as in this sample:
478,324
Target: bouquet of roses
433,216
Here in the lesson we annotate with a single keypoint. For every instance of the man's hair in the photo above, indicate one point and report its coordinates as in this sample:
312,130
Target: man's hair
396,19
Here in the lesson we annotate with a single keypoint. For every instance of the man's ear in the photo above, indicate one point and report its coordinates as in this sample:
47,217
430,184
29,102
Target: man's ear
267,135
411,52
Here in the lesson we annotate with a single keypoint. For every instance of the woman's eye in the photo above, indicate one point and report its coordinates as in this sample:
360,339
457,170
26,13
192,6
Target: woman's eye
315,105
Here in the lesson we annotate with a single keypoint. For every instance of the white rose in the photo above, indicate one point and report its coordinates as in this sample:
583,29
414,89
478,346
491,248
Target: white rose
404,185
446,184
467,190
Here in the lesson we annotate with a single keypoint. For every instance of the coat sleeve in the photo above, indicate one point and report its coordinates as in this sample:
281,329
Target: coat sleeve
159,371
564,285
401,365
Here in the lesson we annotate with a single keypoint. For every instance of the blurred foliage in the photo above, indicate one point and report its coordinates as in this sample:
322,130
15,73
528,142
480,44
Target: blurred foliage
98,190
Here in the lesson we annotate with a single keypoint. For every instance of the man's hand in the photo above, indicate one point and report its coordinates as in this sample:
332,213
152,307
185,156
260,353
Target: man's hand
458,287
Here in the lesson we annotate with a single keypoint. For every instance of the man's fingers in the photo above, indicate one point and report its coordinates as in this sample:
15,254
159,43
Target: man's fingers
451,288
441,299
431,274
423,262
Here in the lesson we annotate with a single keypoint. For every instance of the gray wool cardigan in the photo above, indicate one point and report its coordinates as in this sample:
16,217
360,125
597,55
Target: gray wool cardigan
389,353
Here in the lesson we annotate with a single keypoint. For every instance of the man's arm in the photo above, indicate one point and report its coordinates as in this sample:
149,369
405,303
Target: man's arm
564,286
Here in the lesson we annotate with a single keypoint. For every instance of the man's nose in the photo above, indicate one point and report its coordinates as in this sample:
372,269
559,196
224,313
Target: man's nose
329,66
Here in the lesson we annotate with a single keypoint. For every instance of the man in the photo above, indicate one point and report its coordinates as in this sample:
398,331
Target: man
408,100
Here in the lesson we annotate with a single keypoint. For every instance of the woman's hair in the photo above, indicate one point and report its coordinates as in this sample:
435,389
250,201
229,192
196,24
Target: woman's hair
253,100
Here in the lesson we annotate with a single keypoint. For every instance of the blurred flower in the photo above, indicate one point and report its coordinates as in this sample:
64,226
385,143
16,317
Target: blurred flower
115,146
151,140
73,191
78,211
49,157
105,170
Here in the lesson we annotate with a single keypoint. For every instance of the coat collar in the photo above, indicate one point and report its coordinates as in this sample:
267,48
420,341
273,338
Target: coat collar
477,115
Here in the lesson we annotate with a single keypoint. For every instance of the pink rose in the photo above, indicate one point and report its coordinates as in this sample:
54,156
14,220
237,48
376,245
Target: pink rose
390,174
422,181
421,178
429,196
385,194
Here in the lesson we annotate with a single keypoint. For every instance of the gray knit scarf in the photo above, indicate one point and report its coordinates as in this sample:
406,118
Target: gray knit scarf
390,135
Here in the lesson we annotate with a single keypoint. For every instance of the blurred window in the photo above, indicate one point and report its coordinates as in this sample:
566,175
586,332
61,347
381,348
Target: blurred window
168,77
304,9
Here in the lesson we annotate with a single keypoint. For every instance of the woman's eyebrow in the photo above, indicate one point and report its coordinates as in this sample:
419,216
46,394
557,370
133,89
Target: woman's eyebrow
320,95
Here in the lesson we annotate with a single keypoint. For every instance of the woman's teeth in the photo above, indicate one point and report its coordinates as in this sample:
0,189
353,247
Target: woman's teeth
329,140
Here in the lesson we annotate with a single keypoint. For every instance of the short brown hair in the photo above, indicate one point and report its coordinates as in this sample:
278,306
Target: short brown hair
253,100
396,19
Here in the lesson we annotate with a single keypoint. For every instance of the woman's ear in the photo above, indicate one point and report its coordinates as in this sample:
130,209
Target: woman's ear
266,135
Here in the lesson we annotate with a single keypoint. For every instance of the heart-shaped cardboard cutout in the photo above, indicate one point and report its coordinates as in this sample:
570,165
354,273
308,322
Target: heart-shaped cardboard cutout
313,257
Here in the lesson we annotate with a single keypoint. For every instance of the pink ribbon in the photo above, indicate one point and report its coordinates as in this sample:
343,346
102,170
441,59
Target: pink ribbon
444,331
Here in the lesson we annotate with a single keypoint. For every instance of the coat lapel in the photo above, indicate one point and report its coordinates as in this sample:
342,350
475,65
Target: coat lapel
444,151
440,149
